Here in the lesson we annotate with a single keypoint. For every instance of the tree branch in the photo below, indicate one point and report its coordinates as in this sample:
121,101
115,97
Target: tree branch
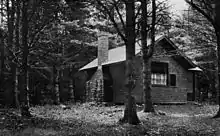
115,3
151,48
37,33
112,20
201,11
138,12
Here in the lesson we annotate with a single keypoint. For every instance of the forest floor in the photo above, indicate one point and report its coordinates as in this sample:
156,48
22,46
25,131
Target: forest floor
89,119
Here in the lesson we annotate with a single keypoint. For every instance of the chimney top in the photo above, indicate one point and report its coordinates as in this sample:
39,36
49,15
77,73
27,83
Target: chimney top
103,46
101,33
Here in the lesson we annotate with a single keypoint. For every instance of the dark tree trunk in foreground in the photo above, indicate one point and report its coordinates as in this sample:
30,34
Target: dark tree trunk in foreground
2,48
17,45
10,25
130,113
218,70
2,60
10,6
24,91
148,105
28,88
56,85
147,54
16,91
71,89
217,32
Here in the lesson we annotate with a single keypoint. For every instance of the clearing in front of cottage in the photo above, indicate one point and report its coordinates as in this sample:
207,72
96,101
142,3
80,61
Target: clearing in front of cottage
90,119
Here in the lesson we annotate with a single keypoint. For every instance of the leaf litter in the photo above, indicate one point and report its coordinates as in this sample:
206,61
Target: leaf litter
92,119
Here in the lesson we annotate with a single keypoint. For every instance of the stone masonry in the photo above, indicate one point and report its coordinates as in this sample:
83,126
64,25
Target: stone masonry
95,86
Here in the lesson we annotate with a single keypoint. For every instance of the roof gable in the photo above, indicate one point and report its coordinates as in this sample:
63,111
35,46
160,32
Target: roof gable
178,55
118,54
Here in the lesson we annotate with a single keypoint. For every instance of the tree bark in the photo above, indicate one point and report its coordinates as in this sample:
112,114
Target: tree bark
24,102
218,71
2,47
2,50
16,91
147,54
28,88
10,6
130,113
56,86
2,61
148,105
1,6
10,26
71,88
217,32
17,45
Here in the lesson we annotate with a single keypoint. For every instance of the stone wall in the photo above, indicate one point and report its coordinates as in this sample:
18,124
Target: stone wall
95,88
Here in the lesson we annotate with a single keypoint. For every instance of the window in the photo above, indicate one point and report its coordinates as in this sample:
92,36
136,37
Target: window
172,80
158,79
159,73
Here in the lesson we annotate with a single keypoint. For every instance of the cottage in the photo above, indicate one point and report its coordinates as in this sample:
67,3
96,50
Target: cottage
171,78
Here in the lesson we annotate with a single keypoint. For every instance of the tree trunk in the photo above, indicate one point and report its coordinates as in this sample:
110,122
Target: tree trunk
10,21
24,102
16,88
16,91
218,71
17,45
56,87
10,7
2,61
1,14
148,105
130,113
147,54
71,88
2,46
27,88
217,32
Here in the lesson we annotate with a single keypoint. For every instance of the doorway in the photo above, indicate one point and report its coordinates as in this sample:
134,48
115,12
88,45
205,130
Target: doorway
108,84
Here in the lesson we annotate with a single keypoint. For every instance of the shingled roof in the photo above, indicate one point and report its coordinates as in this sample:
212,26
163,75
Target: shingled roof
118,54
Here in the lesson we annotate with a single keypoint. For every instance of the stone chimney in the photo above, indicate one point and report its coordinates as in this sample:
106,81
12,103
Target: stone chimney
95,87
103,46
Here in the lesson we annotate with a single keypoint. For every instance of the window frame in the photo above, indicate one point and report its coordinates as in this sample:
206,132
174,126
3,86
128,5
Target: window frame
170,76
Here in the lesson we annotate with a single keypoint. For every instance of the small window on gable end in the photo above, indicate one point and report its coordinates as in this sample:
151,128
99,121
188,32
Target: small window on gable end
172,80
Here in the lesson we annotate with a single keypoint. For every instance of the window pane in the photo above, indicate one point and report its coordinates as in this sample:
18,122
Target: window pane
158,79
159,67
